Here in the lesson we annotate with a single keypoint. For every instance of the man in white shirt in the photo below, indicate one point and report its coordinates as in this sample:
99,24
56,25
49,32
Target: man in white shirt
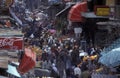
77,71
77,31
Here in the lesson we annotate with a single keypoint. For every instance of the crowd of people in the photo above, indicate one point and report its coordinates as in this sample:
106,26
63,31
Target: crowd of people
65,56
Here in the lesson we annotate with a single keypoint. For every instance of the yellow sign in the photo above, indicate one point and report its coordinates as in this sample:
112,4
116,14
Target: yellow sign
103,11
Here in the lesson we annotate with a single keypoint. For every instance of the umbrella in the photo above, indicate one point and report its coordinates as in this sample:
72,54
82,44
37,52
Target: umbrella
41,16
111,59
83,54
52,31
116,49
75,12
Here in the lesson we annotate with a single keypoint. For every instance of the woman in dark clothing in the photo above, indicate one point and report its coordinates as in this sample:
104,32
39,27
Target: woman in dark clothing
75,55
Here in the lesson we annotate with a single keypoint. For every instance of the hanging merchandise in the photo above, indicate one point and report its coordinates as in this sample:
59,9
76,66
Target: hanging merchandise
28,61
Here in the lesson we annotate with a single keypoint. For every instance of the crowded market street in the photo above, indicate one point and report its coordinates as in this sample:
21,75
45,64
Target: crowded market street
59,39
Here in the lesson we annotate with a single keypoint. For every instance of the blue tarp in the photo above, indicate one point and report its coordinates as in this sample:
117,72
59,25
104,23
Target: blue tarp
111,58
13,71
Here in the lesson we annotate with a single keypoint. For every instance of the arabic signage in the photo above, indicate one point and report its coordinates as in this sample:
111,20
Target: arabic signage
11,43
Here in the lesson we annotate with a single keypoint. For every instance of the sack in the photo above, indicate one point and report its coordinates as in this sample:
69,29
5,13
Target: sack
28,61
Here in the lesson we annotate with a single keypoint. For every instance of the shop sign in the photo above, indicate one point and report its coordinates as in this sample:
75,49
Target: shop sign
10,43
102,10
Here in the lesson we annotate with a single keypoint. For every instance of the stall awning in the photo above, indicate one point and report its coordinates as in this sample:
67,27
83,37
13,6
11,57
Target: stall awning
75,12
62,11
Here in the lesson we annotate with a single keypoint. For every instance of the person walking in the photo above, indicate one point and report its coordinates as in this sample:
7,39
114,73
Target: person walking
54,71
77,71
61,67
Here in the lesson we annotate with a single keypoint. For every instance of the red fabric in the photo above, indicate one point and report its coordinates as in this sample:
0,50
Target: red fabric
75,12
28,61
